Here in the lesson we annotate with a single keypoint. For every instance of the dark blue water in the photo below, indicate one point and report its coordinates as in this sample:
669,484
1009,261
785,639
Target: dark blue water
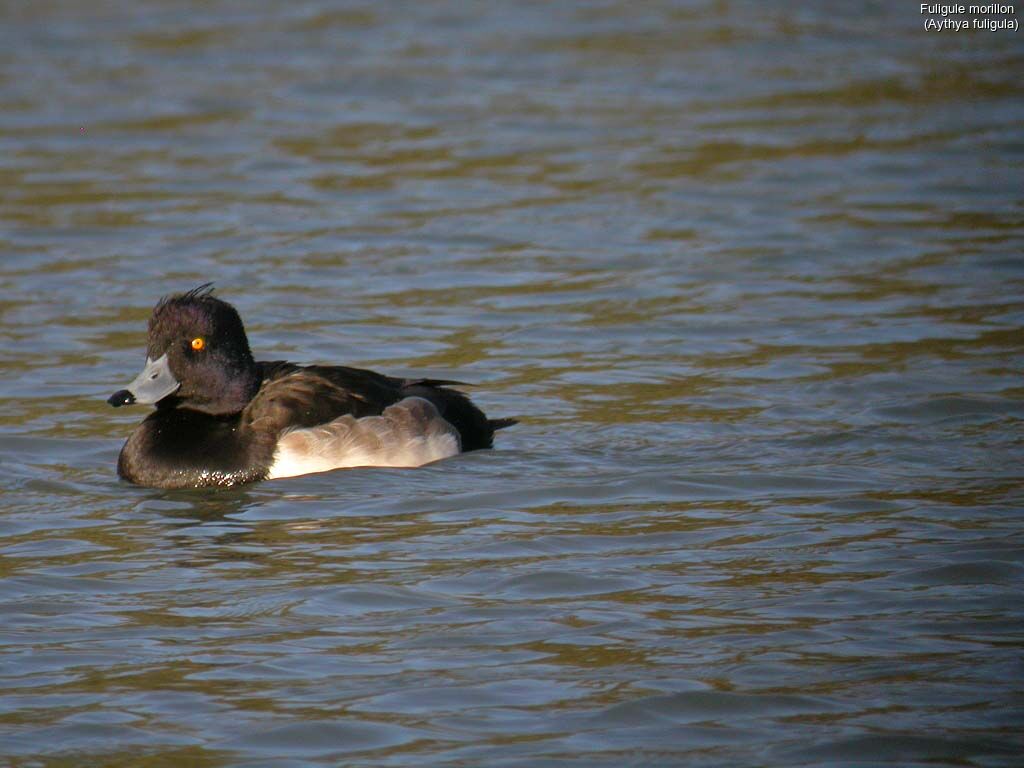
750,277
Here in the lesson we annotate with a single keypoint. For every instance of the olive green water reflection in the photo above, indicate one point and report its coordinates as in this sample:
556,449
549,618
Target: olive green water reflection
751,277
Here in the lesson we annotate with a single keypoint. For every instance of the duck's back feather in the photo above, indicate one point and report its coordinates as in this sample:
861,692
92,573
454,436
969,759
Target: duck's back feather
308,396
304,398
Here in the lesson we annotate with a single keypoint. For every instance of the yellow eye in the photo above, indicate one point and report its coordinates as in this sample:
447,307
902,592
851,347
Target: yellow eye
198,343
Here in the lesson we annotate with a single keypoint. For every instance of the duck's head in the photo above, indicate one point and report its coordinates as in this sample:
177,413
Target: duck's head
197,357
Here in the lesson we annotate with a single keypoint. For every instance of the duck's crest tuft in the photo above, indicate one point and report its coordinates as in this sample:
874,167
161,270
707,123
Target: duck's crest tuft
200,292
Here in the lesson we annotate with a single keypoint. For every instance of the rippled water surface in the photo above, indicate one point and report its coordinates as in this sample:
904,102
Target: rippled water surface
751,278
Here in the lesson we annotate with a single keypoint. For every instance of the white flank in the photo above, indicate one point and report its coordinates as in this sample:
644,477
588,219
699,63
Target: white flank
409,433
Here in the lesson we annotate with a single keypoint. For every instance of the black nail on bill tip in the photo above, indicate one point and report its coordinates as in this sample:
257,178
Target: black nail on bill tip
121,397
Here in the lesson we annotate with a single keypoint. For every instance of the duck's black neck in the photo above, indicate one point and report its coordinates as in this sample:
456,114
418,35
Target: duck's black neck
227,394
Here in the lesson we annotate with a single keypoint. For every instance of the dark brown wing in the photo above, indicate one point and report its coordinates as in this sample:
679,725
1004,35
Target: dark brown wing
307,396
295,396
